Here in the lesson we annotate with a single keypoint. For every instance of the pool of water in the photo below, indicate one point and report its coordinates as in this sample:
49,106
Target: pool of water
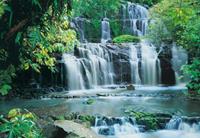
145,99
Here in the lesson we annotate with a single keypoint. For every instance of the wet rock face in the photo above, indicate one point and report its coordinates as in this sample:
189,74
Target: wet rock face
167,72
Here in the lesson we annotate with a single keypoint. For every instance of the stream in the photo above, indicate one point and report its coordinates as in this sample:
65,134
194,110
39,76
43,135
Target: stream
114,102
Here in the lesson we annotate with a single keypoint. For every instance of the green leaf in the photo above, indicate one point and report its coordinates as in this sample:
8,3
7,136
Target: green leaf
5,89
18,38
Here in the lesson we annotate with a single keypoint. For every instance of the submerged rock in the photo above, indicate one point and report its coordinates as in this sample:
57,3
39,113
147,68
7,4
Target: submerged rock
130,87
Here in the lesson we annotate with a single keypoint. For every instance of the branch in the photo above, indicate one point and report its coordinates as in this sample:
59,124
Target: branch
15,29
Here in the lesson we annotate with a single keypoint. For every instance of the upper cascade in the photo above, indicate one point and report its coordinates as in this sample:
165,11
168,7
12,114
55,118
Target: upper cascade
135,19
105,30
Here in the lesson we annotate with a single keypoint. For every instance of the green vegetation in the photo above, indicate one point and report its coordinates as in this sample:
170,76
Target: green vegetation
20,125
95,10
31,39
182,22
89,101
126,38
147,119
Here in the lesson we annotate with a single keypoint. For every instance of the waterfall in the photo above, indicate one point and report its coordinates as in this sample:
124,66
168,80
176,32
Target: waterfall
96,64
134,63
179,58
177,123
138,19
74,75
135,19
151,71
118,126
105,30
91,66
79,25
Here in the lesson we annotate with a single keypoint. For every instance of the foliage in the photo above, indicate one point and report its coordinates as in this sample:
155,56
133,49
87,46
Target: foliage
42,42
182,21
157,33
32,32
96,10
20,124
89,101
3,6
6,79
126,38
193,70
147,119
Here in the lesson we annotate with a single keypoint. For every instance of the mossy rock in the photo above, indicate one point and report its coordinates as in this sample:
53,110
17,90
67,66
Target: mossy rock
147,119
126,39
89,101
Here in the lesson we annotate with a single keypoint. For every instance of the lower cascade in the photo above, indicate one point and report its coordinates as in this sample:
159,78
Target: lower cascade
127,127
115,126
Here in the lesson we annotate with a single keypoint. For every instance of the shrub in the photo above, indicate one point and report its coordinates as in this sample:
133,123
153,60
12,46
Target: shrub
19,125
125,39
193,70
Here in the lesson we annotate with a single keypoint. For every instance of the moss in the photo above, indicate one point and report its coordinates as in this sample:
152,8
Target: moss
147,119
87,119
89,101
126,38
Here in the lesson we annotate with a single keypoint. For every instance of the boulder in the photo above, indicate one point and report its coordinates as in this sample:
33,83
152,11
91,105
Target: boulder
130,87
75,128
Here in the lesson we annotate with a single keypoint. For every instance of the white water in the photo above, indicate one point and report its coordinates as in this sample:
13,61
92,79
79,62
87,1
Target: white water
128,128
79,24
115,127
134,61
105,30
93,67
151,70
135,18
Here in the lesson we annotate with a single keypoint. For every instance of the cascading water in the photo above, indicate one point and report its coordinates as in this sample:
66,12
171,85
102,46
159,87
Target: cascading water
179,58
124,127
79,24
177,123
135,18
91,66
138,20
134,63
105,30
115,126
95,63
150,64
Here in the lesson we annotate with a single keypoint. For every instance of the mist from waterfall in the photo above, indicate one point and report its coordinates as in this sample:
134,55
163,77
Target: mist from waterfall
179,58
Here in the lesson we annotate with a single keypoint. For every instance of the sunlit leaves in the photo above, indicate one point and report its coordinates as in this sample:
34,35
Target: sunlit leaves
20,124
182,20
42,42
3,6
